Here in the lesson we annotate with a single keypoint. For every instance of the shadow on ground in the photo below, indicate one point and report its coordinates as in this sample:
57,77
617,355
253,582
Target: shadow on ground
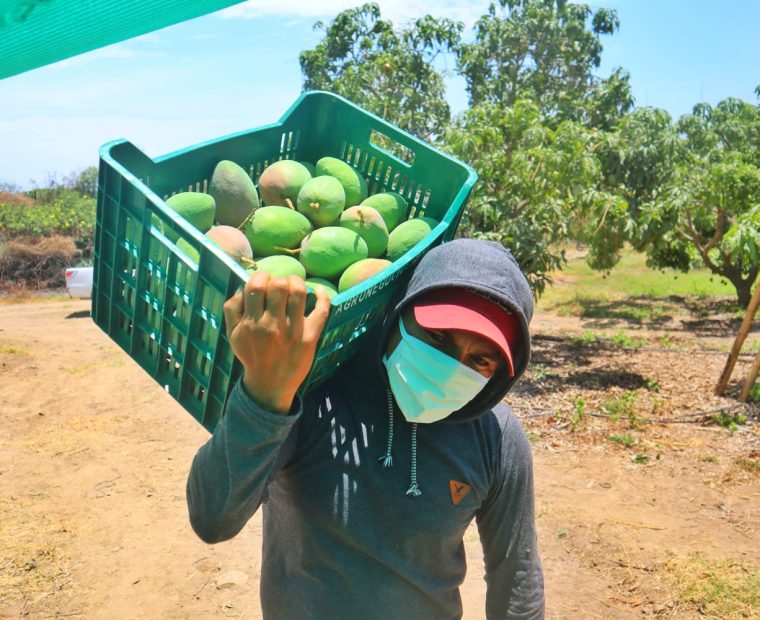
559,364
81,314
701,316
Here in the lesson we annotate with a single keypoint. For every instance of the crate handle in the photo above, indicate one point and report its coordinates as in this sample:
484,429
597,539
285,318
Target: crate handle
392,148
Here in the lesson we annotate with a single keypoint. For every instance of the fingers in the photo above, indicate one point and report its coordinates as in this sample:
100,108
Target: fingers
233,312
256,294
315,322
296,305
277,299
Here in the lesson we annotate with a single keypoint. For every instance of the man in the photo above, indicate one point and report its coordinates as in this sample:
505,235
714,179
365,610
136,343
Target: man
370,482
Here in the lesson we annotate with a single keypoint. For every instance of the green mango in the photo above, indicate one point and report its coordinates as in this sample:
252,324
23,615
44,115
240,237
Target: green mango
189,250
274,230
329,287
326,252
391,206
369,225
408,234
196,207
360,271
352,181
279,267
234,193
281,181
322,200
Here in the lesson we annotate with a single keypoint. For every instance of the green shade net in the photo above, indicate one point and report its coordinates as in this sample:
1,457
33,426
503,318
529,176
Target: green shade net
34,33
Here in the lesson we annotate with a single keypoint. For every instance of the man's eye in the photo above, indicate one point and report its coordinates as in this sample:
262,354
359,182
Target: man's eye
436,336
479,361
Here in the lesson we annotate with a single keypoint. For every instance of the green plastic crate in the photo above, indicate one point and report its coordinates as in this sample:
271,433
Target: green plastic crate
165,310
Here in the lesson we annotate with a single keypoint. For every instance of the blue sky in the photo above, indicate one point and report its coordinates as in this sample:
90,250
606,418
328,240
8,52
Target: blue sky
238,69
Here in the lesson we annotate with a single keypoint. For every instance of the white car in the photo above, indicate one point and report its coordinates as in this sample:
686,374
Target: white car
79,282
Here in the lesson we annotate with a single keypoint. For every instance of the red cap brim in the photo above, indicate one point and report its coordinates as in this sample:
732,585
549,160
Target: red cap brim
463,310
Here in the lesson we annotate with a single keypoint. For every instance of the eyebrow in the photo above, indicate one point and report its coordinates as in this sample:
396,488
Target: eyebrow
492,356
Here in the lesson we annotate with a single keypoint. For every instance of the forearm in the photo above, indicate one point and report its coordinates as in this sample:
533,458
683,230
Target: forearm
230,472
515,587
507,525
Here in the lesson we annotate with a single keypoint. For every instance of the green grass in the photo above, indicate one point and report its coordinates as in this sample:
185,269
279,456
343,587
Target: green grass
634,292
627,440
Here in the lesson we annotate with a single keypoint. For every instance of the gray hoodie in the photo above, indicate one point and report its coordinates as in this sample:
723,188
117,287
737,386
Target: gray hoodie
342,539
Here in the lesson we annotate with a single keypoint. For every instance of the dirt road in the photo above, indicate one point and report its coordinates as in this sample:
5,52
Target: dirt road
94,457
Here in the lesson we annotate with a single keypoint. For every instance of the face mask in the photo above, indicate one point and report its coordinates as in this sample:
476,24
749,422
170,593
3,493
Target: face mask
428,384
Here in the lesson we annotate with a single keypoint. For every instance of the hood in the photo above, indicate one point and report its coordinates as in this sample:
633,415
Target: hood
490,270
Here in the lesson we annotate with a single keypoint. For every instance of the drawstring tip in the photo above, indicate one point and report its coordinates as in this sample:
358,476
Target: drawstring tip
414,490
387,460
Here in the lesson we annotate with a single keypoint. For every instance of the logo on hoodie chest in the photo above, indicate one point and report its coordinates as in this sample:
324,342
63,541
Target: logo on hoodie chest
458,491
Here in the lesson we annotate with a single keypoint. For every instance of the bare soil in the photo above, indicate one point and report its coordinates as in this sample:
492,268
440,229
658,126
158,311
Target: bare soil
94,457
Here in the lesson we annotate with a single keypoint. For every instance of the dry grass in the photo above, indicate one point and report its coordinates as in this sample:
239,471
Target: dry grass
9,349
16,199
36,263
32,564
715,589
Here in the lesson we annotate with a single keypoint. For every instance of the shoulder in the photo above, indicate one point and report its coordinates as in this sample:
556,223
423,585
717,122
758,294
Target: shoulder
502,420
513,450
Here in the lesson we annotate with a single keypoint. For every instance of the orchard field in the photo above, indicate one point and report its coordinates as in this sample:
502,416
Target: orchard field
648,486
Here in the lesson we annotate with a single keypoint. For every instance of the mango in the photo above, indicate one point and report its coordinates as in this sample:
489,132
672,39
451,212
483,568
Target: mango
352,181
234,193
189,250
310,167
279,267
326,252
360,271
196,207
390,205
281,181
274,230
406,235
232,241
322,200
369,225
330,288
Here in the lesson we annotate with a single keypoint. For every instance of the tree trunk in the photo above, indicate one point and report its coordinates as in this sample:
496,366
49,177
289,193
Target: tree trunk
742,285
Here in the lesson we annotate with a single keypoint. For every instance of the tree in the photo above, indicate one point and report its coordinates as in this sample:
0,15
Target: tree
387,72
84,182
544,51
692,190
535,182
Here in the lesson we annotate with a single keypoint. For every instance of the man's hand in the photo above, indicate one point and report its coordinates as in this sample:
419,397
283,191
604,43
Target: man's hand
271,337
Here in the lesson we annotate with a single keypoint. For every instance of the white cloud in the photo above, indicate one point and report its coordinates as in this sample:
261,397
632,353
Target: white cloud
398,11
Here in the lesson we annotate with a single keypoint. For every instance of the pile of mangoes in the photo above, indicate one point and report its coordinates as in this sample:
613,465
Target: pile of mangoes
313,221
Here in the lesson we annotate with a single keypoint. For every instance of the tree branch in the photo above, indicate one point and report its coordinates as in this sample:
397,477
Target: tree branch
721,220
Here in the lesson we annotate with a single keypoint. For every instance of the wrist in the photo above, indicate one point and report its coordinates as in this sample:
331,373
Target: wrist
267,399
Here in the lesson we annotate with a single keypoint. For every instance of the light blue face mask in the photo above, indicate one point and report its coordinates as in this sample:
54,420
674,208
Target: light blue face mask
428,384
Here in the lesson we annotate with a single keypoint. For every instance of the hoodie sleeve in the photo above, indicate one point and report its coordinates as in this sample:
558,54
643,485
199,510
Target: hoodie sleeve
506,523
230,472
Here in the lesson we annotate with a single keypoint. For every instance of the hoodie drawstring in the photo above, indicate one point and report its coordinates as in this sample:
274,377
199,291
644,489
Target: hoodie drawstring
414,489
387,458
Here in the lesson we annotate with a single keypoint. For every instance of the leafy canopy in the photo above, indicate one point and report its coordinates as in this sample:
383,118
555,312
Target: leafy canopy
388,72
544,50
